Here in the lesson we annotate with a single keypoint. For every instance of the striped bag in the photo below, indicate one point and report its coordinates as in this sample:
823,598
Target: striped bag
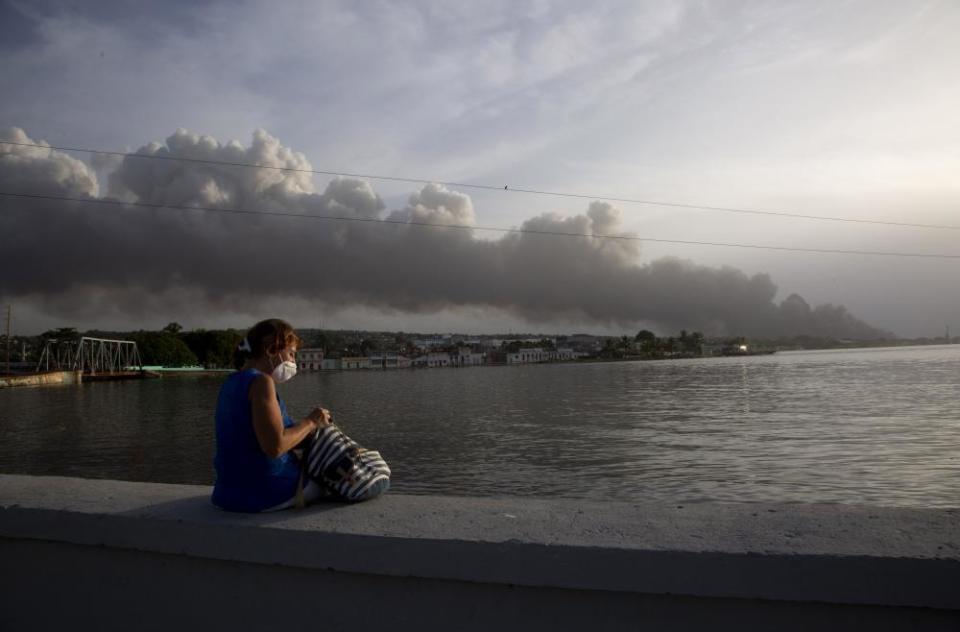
335,461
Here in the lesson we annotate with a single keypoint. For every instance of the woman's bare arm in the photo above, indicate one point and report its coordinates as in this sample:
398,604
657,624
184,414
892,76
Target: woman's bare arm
274,439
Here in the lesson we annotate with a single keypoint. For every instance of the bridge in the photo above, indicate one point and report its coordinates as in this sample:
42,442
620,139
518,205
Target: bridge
93,357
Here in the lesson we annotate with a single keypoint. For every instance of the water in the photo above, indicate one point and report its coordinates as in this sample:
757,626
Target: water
872,426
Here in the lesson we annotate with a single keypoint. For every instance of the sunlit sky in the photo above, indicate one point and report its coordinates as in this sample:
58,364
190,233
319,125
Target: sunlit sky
846,109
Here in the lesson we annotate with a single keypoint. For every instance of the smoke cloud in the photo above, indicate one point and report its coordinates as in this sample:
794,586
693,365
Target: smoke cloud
221,260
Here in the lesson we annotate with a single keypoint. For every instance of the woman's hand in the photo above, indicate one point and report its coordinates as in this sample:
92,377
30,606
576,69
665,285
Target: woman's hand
320,417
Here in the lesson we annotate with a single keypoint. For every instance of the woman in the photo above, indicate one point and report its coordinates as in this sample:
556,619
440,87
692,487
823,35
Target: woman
256,468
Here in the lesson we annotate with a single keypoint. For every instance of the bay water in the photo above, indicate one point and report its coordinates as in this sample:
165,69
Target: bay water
866,426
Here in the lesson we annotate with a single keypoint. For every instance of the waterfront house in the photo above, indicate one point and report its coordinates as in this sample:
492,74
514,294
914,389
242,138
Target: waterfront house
350,363
465,356
432,360
527,356
388,360
438,359
310,359
538,354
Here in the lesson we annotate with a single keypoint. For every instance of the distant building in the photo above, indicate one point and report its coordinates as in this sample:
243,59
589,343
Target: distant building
310,359
389,360
350,363
438,359
432,360
537,354
465,356
490,343
430,343
527,356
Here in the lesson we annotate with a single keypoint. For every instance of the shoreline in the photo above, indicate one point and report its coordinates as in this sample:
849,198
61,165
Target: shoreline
59,378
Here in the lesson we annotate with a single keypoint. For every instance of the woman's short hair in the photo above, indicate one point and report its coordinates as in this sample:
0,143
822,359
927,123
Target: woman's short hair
268,336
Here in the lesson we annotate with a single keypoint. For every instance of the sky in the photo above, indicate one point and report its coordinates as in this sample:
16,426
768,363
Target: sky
842,109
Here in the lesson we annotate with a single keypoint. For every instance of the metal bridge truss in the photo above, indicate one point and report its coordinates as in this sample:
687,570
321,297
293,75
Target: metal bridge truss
90,355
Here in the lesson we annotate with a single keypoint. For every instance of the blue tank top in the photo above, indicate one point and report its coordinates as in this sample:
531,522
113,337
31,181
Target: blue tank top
247,479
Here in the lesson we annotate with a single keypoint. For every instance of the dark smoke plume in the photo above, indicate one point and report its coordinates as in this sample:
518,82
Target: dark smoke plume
126,252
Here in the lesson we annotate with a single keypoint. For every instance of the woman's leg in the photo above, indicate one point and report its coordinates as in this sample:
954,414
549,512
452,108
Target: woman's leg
311,493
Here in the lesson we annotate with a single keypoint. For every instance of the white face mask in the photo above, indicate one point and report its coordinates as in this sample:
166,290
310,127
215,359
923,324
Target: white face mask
284,371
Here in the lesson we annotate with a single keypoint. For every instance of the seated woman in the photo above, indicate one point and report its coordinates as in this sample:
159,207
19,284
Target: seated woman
256,467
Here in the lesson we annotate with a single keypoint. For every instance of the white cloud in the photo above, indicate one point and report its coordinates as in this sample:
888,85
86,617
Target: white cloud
34,170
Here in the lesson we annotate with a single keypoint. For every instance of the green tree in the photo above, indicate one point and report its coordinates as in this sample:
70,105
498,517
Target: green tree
612,348
510,347
164,349
648,342
695,343
645,335
61,333
173,328
213,348
329,341
402,342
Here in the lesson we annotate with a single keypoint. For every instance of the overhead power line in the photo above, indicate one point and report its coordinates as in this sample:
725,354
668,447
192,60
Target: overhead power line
496,229
487,187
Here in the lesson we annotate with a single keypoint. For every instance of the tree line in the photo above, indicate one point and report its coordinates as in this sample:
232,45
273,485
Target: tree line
647,344
170,347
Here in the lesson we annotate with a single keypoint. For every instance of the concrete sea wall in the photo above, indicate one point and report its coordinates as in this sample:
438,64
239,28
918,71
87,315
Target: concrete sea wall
41,379
97,554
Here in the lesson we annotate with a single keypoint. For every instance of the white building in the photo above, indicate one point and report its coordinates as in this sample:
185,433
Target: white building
537,354
432,360
527,356
389,360
310,359
465,356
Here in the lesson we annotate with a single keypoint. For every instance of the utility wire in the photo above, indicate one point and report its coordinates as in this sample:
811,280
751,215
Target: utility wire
488,187
496,229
